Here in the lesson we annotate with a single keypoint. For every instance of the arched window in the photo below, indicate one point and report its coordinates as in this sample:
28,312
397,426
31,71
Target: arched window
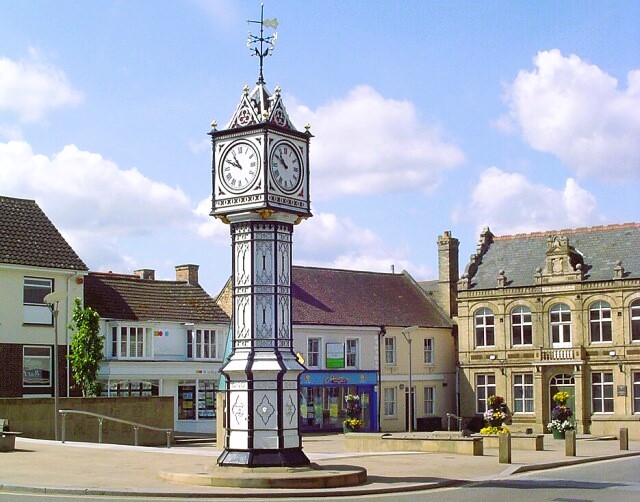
484,325
635,321
600,322
521,326
560,319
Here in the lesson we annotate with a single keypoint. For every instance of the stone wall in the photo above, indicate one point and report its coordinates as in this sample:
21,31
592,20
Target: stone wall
35,418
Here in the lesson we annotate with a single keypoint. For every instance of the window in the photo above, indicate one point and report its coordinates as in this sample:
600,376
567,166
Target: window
36,366
390,350
600,322
635,321
428,351
602,392
127,388
129,342
485,387
390,402
429,400
521,326
313,352
636,392
201,344
484,328
352,352
35,310
523,393
560,318
196,400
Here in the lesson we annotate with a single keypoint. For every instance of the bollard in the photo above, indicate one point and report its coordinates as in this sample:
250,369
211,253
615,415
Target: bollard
624,438
504,448
570,444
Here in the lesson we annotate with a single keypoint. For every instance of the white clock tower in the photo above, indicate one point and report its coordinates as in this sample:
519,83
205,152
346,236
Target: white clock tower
260,174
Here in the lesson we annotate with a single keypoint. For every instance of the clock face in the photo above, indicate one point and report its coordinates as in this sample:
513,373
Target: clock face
239,166
286,166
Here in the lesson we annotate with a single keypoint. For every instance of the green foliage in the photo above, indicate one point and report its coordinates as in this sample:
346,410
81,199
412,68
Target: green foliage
86,348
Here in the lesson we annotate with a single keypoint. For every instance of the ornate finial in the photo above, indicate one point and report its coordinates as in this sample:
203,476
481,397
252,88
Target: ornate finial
277,90
262,46
214,125
246,89
307,127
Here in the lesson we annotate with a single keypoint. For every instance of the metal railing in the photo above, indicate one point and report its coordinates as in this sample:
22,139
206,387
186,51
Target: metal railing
102,418
455,417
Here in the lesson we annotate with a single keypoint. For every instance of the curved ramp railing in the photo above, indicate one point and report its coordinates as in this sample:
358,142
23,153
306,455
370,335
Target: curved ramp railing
455,417
102,418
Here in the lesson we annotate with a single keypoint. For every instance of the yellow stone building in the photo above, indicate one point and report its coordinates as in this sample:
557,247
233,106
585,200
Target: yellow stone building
549,311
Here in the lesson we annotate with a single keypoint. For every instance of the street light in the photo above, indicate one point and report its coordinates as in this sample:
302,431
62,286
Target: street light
52,300
406,332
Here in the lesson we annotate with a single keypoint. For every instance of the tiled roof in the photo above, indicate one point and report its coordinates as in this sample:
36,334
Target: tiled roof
127,297
27,237
520,255
323,296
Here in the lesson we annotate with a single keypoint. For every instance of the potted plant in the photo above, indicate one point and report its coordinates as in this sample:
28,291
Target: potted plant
494,416
352,423
560,415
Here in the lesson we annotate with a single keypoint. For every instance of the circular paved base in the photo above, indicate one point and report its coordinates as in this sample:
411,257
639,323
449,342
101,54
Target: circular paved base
312,476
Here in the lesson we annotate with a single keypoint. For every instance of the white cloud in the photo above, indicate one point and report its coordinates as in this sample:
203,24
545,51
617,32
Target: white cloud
367,144
509,203
574,110
30,88
95,203
329,241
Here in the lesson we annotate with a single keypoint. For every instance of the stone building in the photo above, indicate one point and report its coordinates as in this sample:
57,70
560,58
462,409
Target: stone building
549,311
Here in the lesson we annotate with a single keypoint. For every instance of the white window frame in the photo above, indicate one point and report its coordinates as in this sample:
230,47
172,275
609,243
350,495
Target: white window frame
317,353
117,331
636,392
599,326
429,350
485,385
634,312
484,328
37,312
560,327
390,350
520,321
390,402
523,402
202,343
604,388
429,395
352,356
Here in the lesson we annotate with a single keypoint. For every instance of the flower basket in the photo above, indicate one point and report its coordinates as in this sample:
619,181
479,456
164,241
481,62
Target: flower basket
558,434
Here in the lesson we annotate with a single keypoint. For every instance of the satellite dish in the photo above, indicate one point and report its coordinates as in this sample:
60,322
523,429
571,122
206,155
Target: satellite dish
55,297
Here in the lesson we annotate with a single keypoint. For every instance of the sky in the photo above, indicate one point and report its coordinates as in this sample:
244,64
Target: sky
427,116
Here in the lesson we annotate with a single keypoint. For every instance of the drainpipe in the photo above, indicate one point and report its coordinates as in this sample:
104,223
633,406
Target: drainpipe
381,333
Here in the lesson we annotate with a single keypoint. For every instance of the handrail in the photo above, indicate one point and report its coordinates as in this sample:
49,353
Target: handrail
455,417
101,418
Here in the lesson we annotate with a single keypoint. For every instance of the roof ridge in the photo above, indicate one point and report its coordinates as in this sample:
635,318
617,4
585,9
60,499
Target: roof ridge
16,198
333,269
543,233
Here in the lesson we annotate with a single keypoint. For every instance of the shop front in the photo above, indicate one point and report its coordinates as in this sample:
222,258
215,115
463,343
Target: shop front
323,404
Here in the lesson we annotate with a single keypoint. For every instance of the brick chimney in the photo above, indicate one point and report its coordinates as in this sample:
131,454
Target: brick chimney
187,273
448,272
146,273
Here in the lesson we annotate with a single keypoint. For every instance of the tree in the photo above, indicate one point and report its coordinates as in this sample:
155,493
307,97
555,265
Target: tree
86,348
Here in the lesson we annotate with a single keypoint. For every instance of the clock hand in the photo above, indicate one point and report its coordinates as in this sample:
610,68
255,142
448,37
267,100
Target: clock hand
283,162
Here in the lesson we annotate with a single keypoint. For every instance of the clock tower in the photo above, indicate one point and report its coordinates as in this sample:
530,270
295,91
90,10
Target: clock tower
260,173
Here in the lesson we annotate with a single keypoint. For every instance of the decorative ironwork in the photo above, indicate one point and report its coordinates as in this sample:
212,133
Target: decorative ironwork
262,46
265,409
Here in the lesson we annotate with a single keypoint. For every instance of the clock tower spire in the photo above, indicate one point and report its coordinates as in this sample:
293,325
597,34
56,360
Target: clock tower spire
260,175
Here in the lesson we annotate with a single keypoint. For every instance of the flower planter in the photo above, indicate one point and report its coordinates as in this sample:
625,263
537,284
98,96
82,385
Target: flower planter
558,434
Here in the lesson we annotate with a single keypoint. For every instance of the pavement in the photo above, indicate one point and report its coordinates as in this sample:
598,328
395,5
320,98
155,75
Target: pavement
40,466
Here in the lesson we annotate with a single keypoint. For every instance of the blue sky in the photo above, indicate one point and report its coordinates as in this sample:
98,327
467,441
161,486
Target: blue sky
428,116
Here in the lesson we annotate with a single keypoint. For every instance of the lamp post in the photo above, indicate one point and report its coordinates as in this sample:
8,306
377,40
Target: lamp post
52,300
406,332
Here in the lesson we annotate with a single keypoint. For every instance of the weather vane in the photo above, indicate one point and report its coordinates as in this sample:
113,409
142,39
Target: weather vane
262,46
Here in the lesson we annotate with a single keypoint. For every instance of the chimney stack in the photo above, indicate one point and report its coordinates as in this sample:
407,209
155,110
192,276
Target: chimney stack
448,272
187,273
146,273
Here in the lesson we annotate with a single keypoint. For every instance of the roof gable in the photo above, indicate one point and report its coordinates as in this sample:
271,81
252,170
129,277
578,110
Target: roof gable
128,297
29,238
597,251
334,297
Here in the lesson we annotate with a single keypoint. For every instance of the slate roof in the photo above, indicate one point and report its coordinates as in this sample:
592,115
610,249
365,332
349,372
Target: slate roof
331,297
520,255
27,237
128,297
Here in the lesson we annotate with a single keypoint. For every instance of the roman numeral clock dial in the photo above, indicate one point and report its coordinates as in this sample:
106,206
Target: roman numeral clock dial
286,166
239,166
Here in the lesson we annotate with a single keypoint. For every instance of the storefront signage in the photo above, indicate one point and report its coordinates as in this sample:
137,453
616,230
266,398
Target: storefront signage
335,355
336,379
